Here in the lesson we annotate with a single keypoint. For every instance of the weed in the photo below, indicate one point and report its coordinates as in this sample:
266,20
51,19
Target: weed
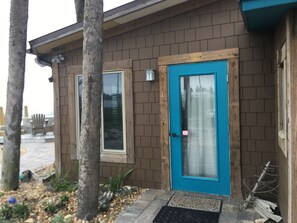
64,199
20,211
59,218
54,207
51,208
115,183
6,211
3,220
59,183
1,194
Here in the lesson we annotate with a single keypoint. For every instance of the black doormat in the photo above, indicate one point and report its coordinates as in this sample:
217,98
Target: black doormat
169,214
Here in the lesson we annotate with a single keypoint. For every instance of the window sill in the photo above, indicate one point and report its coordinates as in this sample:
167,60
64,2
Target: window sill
282,142
115,158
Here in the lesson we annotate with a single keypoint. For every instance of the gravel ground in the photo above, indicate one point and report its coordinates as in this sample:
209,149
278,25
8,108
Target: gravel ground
37,196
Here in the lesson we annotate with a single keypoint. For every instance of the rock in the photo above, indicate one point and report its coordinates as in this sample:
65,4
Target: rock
68,217
261,220
30,220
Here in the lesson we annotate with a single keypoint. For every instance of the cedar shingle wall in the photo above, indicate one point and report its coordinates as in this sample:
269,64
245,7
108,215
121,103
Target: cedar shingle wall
213,27
282,161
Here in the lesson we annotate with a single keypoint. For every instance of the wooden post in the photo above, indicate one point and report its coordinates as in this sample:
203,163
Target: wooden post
26,113
1,116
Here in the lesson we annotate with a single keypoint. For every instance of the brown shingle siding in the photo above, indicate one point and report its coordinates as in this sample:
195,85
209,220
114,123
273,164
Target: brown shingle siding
179,36
232,42
204,33
148,152
145,141
269,105
244,41
227,29
190,35
234,16
259,80
215,26
257,105
145,53
221,17
248,93
164,50
251,119
159,39
246,54
247,81
183,48
265,92
251,145
264,119
169,37
265,145
195,21
229,5
174,49
205,20
194,46
216,44
252,67
256,158
129,43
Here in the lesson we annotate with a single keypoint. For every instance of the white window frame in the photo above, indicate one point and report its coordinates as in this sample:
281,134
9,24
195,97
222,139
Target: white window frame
282,96
128,155
103,149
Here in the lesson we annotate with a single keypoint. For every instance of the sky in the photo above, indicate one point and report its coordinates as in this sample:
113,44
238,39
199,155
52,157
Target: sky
44,17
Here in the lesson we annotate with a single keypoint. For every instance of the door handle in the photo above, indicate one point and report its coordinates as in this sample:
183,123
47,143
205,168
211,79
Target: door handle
173,134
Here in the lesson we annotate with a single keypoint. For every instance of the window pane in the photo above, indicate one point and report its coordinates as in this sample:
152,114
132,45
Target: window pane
198,119
112,111
79,95
282,98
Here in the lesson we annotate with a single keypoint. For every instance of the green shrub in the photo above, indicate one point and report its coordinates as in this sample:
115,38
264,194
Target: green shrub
59,183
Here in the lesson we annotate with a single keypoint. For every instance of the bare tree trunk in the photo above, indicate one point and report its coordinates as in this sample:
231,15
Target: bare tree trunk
15,88
79,8
89,152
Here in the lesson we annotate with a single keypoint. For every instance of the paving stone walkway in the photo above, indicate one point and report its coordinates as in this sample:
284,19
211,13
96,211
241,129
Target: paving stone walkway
37,152
147,207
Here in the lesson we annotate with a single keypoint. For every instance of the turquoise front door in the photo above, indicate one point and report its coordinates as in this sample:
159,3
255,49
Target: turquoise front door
199,139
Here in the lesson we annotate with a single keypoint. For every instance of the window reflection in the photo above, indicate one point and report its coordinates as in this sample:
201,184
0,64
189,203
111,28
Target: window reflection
112,107
112,111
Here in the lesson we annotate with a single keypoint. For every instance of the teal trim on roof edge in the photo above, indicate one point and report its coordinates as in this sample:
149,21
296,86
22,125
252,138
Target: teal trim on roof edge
260,15
247,5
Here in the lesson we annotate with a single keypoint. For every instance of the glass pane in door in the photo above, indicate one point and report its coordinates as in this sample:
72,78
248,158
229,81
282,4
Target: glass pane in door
198,126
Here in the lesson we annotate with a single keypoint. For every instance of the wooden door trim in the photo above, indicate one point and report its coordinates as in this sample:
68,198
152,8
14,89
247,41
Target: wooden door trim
231,55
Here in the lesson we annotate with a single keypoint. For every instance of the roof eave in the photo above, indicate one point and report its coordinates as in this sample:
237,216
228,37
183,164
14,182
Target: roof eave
112,18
